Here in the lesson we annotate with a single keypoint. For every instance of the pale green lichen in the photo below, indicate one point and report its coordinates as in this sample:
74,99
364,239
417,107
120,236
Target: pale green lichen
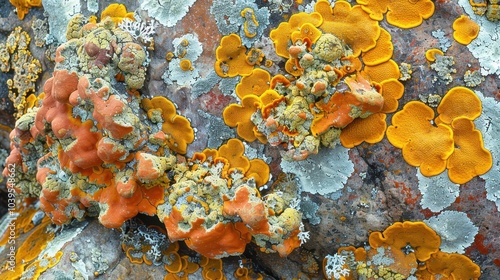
444,68
444,42
486,46
167,12
230,20
490,129
323,173
456,230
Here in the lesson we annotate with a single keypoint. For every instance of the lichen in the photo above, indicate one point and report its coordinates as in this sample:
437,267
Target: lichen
323,173
139,29
485,47
229,19
167,12
187,49
490,129
444,42
443,65
60,13
456,230
437,191
473,78
405,70
15,56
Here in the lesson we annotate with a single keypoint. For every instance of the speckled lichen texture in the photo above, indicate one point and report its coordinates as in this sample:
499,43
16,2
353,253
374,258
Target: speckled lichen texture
367,189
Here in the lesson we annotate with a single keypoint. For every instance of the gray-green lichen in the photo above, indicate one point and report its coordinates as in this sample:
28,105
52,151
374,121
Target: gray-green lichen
473,78
186,48
444,42
444,68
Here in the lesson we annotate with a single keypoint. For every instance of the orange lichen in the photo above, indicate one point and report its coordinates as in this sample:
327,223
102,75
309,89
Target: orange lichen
418,235
117,12
382,52
350,24
430,54
465,30
177,129
256,83
335,113
458,102
23,6
408,249
254,56
251,212
422,143
291,66
231,57
452,266
238,116
400,13
282,35
370,130
174,262
470,158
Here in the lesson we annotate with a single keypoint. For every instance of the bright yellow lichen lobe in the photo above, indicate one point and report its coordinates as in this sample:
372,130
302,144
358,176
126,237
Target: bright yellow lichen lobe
400,13
251,23
465,30
402,251
177,130
23,6
231,57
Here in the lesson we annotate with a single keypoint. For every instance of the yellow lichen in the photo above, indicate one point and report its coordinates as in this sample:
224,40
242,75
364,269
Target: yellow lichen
117,12
350,24
400,13
24,6
422,143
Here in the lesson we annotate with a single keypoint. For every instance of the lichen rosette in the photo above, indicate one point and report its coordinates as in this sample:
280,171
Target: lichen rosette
332,84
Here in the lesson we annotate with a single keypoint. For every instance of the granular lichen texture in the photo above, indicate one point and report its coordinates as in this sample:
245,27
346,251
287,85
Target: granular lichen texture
249,139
